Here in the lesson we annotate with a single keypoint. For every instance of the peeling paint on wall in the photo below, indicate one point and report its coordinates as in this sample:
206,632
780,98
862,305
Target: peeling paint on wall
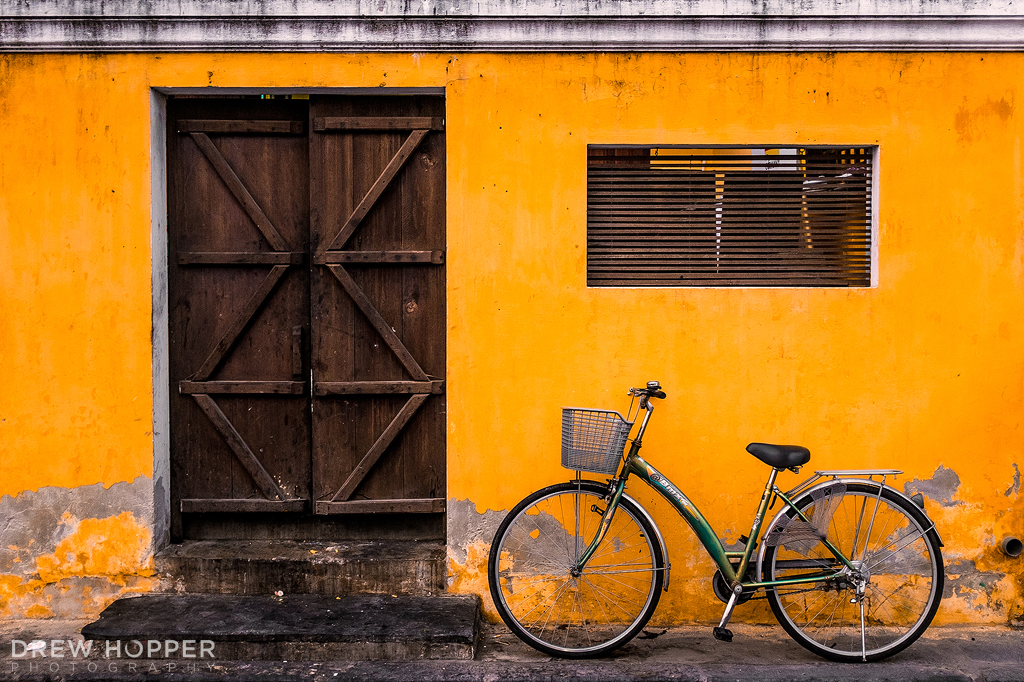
941,487
971,593
1015,486
983,585
977,588
68,553
469,544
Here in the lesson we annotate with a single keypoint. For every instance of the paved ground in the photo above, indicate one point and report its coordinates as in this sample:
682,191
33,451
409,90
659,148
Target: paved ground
979,654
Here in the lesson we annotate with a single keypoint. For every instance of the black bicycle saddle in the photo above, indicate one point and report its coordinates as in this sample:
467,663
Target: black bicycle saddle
780,456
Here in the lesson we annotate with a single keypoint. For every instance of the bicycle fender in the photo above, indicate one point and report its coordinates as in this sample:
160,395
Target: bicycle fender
657,533
924,518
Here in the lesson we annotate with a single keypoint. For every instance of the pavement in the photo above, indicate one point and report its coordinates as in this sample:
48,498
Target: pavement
961,653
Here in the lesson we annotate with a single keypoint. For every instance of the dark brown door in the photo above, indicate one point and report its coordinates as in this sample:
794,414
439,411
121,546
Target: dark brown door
378,294
307,377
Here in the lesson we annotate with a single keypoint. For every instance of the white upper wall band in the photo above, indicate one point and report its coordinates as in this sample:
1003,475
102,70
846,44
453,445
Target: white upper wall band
510,25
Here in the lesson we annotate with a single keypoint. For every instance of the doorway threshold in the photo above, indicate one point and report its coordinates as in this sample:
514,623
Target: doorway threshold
339,568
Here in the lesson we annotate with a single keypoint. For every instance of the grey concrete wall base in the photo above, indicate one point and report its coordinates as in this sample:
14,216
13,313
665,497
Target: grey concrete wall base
42,532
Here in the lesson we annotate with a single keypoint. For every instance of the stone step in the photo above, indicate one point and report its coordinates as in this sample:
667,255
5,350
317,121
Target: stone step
294,627
293,567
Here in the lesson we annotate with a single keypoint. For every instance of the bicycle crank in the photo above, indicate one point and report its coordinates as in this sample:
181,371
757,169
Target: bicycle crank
723,590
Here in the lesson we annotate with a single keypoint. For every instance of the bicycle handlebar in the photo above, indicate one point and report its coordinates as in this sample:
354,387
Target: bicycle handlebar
653,390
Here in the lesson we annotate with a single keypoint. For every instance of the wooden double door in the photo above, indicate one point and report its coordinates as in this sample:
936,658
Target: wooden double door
306,290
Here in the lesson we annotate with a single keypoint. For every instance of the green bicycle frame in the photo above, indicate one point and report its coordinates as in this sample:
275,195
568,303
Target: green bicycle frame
636,465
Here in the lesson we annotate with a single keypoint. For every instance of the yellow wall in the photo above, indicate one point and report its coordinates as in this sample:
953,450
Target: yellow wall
924,371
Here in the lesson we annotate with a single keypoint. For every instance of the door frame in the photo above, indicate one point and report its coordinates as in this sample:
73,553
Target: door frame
158,245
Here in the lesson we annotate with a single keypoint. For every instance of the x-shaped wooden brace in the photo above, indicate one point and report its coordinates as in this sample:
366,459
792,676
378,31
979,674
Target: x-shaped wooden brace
330,255
197,385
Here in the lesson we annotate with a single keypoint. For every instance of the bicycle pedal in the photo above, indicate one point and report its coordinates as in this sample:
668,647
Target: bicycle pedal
722,634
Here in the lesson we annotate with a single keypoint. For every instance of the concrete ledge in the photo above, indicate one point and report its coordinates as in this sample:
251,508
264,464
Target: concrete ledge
300,627
563,33
338,568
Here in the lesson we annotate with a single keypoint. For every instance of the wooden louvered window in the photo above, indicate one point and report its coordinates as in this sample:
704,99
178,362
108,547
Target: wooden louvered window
740,217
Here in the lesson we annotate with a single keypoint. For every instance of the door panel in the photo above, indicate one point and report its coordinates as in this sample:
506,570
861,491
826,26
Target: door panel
239,299
378,304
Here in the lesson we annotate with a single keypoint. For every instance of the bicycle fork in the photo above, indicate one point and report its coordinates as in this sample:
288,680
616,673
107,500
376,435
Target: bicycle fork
606,522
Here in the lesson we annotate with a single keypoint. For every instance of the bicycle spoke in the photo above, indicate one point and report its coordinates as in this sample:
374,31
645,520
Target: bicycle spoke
551,561
896,551
568,625
546,604
629,587
808,606
611,601
553,598
637,570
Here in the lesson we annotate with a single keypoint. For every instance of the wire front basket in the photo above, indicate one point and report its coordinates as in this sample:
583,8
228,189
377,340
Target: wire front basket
592,440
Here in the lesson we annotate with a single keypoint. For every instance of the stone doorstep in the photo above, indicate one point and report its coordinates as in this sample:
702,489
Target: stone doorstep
300,627
294,567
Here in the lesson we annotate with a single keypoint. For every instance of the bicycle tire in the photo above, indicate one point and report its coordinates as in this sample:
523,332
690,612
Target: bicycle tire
565,616
904,561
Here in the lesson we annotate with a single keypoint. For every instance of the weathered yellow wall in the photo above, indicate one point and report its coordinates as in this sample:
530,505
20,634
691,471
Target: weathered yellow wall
924,371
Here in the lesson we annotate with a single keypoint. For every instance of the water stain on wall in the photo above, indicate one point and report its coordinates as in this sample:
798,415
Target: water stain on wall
971,122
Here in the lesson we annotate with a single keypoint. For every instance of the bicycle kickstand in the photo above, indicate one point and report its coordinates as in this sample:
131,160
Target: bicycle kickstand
721,632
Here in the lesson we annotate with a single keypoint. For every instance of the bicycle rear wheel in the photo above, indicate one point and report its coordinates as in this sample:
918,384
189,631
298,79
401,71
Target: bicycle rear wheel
889,540
574,616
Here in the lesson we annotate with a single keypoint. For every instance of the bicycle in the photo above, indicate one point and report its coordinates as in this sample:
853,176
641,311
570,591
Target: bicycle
851,567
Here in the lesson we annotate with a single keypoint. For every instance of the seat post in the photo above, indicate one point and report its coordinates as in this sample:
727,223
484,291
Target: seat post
765,497
721,632
755,527
762,508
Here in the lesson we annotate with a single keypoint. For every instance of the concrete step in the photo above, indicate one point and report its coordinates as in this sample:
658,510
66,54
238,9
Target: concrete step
295,627
327,568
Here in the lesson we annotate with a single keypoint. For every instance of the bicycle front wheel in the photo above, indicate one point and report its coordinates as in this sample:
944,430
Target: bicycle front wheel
893,547
575,616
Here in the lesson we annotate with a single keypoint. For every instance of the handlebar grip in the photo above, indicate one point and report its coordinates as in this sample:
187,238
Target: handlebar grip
653,390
